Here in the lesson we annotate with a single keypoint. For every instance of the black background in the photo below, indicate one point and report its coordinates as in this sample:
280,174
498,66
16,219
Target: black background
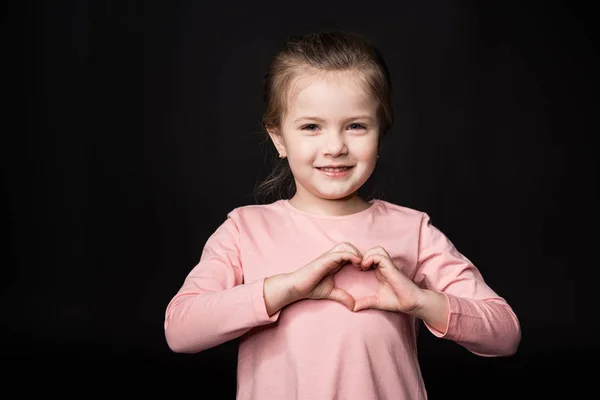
130,129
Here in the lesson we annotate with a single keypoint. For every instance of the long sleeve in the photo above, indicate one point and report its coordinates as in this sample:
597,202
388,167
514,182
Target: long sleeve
479,319
214,304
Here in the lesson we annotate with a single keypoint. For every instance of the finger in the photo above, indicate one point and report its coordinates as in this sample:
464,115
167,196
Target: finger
331,263
379,251
367,257
379,259
366,263
343,297
347,246
335,260
363,303
371,259
385,265
355,250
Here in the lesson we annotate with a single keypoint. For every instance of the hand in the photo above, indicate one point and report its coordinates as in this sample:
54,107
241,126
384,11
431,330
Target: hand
396,292
315,280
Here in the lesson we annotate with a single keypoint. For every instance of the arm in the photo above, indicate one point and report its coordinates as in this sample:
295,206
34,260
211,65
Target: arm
433,309
277,293
474,316
214,305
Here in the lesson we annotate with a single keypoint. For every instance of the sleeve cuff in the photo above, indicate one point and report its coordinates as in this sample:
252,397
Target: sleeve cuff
452,310
258,303
462,319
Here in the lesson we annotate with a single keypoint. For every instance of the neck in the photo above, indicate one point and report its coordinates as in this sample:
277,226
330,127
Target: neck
329,207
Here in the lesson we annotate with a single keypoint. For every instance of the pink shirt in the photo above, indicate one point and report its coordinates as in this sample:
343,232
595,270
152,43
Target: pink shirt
318,349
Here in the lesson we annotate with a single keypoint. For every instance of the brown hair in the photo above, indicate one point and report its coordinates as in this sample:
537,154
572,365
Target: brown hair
327,52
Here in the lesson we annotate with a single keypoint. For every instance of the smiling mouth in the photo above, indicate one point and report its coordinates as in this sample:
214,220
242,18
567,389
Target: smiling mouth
331,169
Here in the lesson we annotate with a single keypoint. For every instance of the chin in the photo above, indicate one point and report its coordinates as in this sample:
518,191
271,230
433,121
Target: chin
331,197
335,196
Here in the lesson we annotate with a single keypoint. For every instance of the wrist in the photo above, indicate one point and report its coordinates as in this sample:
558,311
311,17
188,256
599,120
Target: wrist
278,292
432,308
422,303
286,284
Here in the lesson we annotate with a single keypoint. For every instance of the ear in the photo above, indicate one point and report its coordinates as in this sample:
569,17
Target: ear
277,138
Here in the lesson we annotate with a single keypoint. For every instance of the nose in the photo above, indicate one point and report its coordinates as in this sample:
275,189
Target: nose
335,144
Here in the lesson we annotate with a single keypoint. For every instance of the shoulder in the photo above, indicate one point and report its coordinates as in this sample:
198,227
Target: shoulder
414,219
397,211
253,213
406,217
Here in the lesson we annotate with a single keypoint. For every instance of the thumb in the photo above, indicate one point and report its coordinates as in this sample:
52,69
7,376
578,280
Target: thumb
343,297
363,303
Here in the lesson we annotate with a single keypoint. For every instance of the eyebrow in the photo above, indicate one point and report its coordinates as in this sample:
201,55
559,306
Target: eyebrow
309,118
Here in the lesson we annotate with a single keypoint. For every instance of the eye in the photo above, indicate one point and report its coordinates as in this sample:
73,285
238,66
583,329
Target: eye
310,127
356,126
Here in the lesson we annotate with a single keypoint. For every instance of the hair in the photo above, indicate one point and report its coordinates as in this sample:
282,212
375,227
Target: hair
334,51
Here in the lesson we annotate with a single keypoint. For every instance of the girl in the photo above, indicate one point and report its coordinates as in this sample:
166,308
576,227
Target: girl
323,287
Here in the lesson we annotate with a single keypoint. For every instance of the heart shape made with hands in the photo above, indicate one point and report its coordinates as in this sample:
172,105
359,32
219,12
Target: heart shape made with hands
378,283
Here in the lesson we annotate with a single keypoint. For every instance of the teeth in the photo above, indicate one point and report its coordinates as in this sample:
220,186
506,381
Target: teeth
334,169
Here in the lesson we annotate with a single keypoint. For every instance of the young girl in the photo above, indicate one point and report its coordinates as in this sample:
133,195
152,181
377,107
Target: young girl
323,287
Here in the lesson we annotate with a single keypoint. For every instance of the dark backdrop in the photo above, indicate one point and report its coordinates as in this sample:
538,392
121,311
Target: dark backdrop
131,128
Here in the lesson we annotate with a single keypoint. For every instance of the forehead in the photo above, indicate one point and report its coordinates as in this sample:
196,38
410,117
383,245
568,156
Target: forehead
330,94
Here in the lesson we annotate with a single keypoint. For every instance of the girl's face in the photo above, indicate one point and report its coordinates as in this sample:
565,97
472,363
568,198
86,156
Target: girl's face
329,134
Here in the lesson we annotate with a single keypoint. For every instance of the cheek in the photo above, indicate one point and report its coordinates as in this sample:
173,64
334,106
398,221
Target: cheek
301,150
366,150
